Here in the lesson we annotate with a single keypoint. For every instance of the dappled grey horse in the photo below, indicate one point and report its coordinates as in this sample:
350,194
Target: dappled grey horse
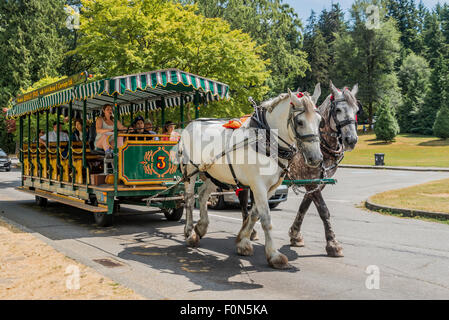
338,134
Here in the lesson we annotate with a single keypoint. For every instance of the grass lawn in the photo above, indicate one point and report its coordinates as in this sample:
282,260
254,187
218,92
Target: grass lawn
408,150
432,196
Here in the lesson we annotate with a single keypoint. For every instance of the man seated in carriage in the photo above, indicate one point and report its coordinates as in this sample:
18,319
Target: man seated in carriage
138,128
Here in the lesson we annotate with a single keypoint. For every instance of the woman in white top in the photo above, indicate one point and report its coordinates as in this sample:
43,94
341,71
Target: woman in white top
105,128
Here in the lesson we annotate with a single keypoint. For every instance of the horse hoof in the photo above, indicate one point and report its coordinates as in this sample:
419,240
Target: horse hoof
193,241
245,248
297,242
254,236
199,232
334,249
278,261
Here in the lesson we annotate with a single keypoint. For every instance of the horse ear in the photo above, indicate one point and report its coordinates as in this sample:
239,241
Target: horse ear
355,90
316,93
334,90
293,98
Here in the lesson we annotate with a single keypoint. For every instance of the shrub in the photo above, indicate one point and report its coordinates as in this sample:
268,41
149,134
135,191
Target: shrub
441,125
386,127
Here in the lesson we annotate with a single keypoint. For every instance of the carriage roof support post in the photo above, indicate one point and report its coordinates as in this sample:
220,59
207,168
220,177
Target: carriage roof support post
162,112
84,138
58,141
39,166
115,145
21,145
131,114
70,145
47,156
146,109
181,110
30,163
196,102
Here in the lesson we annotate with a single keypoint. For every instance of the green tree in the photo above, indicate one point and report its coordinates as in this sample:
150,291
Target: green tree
386,127
124,37
406,15
435,98
441,125
319,38
31,43
367,55
274,26
414,82
317,55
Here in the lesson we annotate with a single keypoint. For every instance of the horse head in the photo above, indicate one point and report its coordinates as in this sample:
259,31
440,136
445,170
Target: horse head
341,115
304,125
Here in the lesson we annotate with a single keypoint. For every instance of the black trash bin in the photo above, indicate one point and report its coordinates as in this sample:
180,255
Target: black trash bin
379,159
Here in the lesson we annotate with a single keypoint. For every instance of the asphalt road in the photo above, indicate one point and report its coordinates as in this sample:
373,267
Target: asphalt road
411,256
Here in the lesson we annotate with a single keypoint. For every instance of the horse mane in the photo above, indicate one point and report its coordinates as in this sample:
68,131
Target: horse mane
272,103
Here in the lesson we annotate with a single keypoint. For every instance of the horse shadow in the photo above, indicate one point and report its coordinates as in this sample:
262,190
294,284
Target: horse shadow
214,266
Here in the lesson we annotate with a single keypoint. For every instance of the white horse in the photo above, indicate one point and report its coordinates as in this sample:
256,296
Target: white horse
228,156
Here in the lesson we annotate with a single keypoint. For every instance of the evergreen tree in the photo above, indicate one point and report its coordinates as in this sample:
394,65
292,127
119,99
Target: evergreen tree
386,127
434,100
414,82
406,15
367,56
31,43
441,125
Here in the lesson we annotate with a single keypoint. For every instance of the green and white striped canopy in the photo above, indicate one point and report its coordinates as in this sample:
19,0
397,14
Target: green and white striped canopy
151,90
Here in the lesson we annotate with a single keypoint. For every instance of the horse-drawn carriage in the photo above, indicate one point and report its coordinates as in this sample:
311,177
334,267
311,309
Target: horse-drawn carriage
79,175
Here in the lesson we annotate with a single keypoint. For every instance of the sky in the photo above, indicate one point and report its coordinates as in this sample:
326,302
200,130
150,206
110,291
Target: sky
304,7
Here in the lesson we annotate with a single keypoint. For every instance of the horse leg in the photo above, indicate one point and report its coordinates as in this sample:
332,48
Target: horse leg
204,192
274,257
333,248
192,239
244,245
296,239
243,199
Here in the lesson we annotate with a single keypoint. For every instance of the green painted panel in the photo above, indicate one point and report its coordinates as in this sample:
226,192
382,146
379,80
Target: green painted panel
146,163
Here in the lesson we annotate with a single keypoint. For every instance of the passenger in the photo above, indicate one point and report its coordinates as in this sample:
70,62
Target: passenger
53,135
41,133
169,129
77,134
138,126
105,129
149,128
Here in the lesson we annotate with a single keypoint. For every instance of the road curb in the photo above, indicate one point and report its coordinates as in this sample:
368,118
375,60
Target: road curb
406,212
423,169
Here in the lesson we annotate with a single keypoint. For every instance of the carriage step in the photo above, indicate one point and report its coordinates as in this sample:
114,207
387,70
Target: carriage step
65,200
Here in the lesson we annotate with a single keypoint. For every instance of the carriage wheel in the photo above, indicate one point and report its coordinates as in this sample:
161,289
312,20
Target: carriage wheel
217,202
101,219
41,202
173,214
